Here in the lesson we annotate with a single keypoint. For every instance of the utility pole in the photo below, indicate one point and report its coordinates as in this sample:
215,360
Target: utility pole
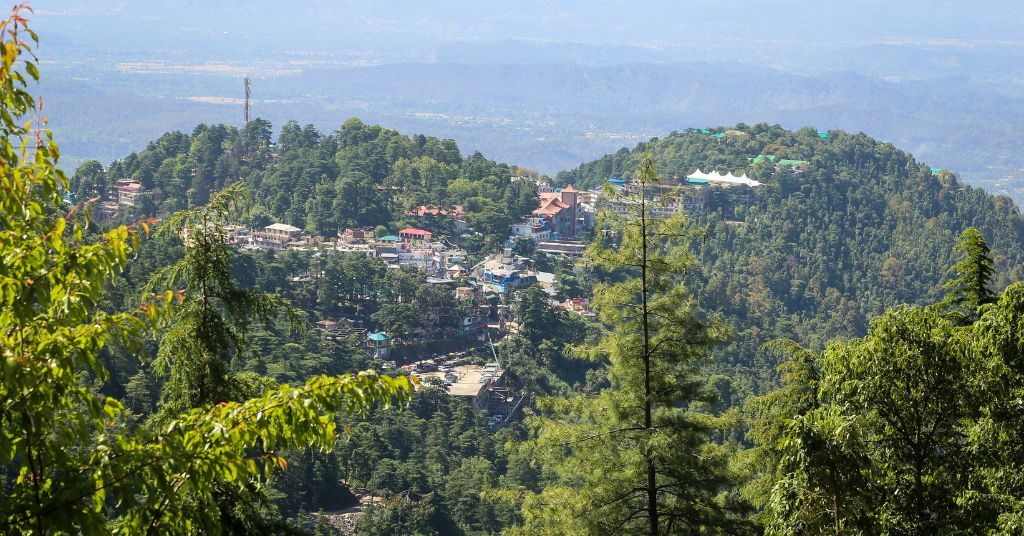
248,93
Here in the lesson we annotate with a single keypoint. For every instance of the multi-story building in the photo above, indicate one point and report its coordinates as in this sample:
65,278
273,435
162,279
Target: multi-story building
276,236
535,228
560,209
128,192
418,257
379,345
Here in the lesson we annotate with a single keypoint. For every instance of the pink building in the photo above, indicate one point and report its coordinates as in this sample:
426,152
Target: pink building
560,209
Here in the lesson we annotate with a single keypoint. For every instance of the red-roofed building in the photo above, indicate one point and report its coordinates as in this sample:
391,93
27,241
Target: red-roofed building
433,210
414,234
440,219
560,209
127,192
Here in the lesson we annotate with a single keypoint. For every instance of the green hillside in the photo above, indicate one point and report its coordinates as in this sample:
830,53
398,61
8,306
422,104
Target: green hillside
843,228
861,227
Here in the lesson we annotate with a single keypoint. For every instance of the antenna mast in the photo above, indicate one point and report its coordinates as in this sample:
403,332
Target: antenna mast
248,93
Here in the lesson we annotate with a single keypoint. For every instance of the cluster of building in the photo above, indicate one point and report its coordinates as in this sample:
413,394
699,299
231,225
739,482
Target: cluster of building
561,214
696,192
561,217
503,272
477,383
412,247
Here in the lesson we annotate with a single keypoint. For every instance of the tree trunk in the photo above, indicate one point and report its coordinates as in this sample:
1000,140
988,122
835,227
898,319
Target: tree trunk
652,487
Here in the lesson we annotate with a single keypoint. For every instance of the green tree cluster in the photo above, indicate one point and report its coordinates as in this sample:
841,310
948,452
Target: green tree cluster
906,430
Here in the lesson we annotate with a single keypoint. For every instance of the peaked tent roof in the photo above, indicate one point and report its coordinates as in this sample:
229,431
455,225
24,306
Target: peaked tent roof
728,178
283,227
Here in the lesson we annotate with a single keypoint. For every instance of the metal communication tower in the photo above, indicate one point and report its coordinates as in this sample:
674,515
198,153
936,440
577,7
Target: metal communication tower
248,93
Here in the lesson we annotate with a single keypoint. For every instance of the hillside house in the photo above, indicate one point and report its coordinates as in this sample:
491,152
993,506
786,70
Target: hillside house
355,236
379,345
535,228
415,235
128,192
436,218
276,236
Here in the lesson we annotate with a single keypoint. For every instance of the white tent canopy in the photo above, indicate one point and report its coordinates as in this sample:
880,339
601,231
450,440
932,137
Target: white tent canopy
728,178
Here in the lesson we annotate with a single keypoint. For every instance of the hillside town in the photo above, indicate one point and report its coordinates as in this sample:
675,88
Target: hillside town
560,225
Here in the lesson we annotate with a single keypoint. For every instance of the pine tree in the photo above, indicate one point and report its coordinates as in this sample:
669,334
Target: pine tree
139,393
635,458
969,289
208,331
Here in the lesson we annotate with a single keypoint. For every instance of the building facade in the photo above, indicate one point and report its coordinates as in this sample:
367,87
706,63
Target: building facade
276,236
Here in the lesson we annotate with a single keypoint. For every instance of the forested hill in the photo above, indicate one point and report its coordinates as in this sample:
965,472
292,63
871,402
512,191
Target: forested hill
357,176
859,227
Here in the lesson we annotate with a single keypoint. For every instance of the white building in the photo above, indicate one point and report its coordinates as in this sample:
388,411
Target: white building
276,236
128,192
534,228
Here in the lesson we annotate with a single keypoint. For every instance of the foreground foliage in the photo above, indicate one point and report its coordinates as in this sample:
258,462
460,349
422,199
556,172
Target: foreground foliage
71,464
913,429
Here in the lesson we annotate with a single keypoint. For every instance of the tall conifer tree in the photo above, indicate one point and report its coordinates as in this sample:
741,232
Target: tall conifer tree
635,458
972,276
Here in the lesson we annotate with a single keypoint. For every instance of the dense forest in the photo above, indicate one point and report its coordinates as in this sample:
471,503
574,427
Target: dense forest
840,352
825,246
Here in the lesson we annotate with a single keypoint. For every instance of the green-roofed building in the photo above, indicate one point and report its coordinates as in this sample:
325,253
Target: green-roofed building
936,170
379,345
388,238
719,135
823,135
761,158
697,181
787,162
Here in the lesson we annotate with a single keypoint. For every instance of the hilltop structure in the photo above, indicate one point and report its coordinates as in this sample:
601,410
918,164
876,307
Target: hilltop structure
718,178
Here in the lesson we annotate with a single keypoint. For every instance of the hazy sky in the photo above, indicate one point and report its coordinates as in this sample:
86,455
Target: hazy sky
254,27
